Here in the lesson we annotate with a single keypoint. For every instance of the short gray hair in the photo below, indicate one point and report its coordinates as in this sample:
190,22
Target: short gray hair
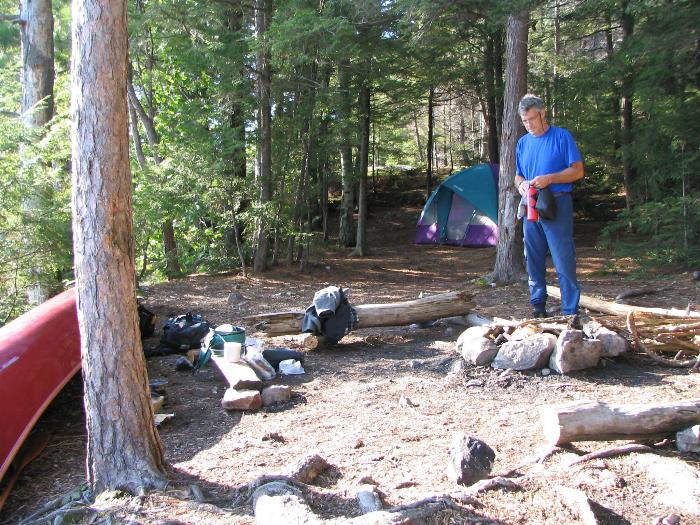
528,102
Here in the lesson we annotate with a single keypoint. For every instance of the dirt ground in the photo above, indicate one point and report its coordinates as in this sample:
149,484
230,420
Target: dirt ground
385,402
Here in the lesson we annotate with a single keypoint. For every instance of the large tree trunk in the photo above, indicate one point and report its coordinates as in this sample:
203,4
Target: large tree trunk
346,232
37,62
263,171
124,450
509,251
37,78
363,159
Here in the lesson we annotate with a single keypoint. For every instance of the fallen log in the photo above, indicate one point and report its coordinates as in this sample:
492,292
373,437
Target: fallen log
611,308
371,315
596,421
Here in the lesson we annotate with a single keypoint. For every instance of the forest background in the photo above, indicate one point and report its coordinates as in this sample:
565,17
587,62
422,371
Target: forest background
252,121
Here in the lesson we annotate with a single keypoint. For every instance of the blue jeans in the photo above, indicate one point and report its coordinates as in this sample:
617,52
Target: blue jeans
557,235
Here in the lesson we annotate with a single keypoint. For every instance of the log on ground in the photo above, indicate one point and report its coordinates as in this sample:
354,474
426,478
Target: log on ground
371,315
596,421
611,308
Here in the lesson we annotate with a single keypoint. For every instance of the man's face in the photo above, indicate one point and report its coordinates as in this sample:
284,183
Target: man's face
534,122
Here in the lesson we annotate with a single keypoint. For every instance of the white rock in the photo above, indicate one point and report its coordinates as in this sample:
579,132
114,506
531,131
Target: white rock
241,399
276,394
688,440
573,352
613,343
475,332
479,351
527,354
678,483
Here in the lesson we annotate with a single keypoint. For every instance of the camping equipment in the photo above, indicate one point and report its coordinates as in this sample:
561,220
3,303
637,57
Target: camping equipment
463,210
184,331
546,205
532,203
227,333
336,319
275,355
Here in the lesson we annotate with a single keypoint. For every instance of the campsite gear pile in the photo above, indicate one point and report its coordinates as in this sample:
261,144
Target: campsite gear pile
463,210
537,203
330,315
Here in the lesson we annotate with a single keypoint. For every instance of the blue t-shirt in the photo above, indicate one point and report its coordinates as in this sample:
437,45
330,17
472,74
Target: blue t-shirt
550,153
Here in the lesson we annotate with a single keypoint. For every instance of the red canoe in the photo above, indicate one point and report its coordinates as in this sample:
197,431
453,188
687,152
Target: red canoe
39,354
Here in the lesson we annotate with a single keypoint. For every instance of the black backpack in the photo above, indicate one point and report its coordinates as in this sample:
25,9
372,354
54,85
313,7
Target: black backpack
147,322
184,331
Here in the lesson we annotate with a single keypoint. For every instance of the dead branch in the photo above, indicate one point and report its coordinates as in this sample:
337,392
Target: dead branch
611,452
640,291
653,355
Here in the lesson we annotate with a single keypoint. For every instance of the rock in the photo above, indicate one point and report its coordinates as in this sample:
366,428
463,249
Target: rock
236,299
457,366
527,354
479,351
241,399
475,332
696,275
613,344
677,483
573,352
470,460
545,372
367,499
276,394
688,440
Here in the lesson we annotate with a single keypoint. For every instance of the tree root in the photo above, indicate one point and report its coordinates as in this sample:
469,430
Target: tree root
611,452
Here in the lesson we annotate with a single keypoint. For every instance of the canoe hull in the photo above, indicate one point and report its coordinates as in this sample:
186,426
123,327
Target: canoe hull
39,354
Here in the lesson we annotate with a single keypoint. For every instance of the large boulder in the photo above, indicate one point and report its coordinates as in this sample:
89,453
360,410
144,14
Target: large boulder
574,352
526,354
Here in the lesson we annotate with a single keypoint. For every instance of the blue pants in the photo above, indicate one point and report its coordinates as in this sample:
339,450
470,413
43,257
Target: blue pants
557,235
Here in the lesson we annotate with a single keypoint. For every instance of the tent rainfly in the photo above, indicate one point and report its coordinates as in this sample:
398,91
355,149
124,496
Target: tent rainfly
463,210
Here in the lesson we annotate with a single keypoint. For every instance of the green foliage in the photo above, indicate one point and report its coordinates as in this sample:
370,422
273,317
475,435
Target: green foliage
194,74
666,232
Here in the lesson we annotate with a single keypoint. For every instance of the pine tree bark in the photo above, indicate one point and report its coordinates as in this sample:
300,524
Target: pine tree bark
37,78
346,231
37,62
124,450
363,159
509,250
429,148
628,171
263,161
489,80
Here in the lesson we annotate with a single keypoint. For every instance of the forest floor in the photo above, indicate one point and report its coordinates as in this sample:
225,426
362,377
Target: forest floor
385,402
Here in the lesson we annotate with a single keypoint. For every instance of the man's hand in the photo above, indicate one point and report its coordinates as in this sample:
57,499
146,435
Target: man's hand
521,185
522,188
541,181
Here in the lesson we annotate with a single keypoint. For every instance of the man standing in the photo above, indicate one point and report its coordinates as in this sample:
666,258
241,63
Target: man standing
548,157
